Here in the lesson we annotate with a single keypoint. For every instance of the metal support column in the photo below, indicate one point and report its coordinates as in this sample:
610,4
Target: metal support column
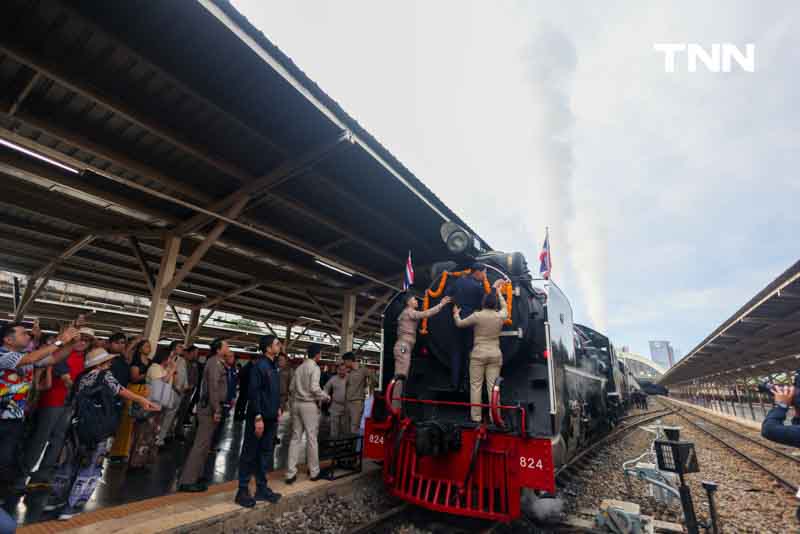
348,321
158,299
192,327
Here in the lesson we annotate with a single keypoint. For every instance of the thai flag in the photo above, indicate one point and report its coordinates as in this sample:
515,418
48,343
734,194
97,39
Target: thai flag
545,264
408,281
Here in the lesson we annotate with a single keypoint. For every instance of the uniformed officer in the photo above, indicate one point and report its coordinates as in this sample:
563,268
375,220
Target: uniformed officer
357,382
260,425
407,325
285,373
304,393
213,393
336,388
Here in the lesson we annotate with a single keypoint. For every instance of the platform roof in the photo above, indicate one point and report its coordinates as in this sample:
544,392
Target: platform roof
181,118
652,367
761,338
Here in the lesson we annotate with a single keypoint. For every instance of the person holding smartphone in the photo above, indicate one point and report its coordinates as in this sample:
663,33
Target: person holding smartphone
16,377
773,428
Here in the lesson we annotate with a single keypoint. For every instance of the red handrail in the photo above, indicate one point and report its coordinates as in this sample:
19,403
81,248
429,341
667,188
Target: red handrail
388,398
491,406
494,410
457,403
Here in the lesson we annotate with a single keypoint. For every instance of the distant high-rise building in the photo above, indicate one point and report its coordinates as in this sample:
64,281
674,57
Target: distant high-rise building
662,353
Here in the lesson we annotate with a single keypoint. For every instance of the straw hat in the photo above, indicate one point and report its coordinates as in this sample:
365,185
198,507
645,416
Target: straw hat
86,331
97,356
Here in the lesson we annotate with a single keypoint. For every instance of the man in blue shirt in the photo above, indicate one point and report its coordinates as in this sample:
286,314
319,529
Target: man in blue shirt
773,428
467,293
260,425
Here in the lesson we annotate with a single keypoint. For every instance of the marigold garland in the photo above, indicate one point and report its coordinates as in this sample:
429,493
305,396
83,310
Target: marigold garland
426,300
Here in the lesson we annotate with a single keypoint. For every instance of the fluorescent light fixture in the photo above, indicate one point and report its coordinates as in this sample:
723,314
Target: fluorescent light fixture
303,317
192,293
38,156
337,268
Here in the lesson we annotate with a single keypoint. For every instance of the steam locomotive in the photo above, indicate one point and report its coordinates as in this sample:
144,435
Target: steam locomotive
560,386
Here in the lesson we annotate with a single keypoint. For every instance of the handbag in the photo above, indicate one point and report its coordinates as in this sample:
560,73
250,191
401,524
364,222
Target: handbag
137,413
162,394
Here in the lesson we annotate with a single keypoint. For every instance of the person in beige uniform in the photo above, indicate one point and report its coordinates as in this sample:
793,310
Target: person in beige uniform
407,325
358,379
485,359
336,388
285,373
304,393
213,393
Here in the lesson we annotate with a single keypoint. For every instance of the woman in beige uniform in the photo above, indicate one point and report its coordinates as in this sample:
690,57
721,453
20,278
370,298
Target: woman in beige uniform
407,325
485,359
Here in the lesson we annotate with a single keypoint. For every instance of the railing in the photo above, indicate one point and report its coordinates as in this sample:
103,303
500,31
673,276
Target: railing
494,406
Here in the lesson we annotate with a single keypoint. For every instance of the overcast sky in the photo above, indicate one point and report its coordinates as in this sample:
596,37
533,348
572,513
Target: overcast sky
671,197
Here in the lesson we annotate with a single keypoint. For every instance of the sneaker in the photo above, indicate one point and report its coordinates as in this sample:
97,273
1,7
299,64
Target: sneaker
267,495
244,499
67,514
291,480
49,507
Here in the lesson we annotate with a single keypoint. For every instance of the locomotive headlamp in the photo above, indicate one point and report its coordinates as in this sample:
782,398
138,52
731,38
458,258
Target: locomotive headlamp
457,239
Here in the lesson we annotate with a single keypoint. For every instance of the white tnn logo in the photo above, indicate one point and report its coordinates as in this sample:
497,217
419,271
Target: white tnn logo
719,58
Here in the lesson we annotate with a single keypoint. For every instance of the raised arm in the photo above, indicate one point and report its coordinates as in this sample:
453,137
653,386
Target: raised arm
417,314
463,323
37,355
774,430
503,305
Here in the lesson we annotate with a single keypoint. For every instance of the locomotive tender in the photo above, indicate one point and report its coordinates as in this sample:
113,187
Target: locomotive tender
560,385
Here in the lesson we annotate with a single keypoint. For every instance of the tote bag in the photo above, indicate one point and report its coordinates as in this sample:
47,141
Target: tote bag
162,394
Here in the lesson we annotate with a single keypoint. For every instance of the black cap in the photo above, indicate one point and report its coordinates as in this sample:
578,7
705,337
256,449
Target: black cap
478,266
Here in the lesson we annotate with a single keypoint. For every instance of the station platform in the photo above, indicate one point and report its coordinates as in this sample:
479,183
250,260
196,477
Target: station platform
748,422
211,512
123,492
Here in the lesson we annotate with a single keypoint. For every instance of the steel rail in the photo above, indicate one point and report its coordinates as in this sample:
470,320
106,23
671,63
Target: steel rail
393,517
615,434
746,437
786,483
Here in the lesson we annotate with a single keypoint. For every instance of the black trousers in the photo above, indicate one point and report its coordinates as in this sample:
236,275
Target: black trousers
241,408
12,431
257,454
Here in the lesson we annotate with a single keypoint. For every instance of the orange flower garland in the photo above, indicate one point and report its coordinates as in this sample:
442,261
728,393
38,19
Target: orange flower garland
509,289
426,300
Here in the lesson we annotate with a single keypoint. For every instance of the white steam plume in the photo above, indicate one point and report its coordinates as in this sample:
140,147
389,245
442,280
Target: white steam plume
573,225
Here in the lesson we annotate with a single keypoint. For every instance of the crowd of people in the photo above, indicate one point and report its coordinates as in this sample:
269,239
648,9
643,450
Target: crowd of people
70,402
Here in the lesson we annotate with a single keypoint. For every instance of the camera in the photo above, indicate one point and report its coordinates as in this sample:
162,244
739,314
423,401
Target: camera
766,387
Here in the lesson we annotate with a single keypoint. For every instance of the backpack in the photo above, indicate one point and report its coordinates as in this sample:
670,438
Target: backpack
97,413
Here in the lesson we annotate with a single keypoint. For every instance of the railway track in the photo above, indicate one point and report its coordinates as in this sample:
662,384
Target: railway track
762,456
427,520
578,462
